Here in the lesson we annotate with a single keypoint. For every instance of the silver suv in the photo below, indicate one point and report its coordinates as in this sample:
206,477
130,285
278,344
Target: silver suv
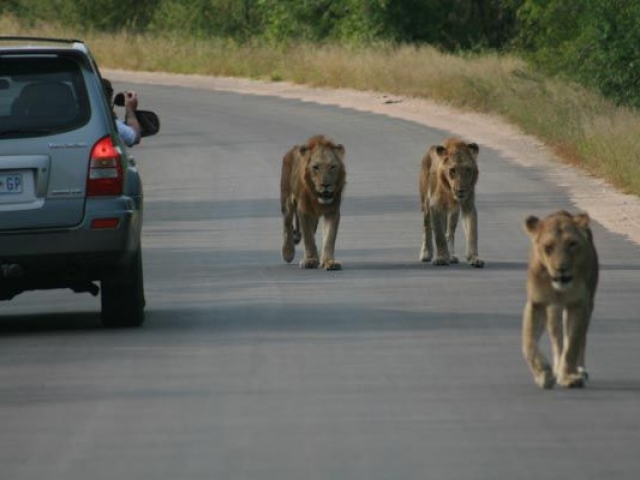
70,196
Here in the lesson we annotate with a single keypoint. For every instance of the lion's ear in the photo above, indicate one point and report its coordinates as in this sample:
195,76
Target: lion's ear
302,149
474,149
440,150
581,220
339,149
531,224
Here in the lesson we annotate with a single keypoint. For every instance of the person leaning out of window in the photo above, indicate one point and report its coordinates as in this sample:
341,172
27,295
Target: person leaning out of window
129,129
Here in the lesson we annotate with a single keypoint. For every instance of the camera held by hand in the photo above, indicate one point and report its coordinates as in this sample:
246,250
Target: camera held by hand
119,99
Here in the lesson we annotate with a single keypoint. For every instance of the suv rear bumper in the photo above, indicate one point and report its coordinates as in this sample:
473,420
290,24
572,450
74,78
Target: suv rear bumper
68,258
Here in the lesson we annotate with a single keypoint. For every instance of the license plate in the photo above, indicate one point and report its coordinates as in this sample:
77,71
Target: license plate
11,183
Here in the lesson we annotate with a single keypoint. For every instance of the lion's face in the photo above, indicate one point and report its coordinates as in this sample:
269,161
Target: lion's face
325,172
561,242
459,168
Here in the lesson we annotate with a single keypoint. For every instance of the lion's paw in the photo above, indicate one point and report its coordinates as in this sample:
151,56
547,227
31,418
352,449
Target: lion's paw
453,259
584,374
331,265
476,262
573,380
425,255
288,251
309,263
441,261
545,379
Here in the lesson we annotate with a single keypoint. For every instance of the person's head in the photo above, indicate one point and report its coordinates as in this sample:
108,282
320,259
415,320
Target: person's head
108,88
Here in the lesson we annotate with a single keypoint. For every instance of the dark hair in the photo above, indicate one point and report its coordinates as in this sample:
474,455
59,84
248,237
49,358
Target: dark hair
108,88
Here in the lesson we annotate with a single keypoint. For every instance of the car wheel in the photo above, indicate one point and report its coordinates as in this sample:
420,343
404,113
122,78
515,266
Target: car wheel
123,299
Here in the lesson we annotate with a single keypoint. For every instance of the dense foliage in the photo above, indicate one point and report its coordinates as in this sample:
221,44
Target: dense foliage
592,41
452,24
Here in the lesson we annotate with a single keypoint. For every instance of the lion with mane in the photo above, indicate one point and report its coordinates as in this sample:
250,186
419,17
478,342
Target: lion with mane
311,185
561,285
447,187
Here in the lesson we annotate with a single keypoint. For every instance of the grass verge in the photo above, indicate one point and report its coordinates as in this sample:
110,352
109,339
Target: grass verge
580,126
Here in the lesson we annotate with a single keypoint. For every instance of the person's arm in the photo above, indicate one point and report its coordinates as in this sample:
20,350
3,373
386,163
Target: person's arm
130,106
128,135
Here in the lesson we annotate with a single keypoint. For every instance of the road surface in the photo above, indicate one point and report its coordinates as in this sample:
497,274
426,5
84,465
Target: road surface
249,368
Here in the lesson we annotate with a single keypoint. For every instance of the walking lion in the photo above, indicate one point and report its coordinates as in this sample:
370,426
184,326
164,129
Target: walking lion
561,286
312,182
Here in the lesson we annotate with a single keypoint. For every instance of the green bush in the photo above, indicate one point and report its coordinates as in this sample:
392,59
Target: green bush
204,18
452,25
104,15
594,43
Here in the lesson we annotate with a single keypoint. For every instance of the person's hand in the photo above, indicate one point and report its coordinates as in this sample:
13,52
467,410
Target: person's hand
130,100
130,118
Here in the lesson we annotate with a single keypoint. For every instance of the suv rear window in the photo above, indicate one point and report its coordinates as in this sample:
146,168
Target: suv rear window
41,95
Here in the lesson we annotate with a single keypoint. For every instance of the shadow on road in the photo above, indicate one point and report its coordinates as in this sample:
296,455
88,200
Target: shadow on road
50,322
238,318
258,318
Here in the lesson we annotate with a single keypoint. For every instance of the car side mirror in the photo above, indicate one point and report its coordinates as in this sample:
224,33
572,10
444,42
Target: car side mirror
149,122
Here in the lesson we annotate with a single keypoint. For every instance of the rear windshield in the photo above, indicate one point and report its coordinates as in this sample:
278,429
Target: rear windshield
41,95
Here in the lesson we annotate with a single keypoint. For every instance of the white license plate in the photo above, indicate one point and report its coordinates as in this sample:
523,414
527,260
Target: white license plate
11,183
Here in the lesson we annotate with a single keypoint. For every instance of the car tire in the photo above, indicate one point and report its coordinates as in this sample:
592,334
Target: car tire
123,299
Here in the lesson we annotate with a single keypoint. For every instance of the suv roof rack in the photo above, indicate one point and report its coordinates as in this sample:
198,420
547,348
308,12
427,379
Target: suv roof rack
39,39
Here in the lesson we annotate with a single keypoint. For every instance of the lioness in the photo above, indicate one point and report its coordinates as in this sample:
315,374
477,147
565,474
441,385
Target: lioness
447,186
312,181
561,285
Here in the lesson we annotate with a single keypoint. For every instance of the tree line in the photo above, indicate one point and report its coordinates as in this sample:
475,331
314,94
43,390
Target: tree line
593,42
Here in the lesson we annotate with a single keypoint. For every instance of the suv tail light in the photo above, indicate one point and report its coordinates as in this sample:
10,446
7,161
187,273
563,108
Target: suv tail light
105,170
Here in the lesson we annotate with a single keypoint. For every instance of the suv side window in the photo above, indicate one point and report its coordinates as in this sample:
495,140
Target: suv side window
41,95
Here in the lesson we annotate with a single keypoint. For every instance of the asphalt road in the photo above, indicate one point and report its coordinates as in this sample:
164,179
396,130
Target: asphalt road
249,368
